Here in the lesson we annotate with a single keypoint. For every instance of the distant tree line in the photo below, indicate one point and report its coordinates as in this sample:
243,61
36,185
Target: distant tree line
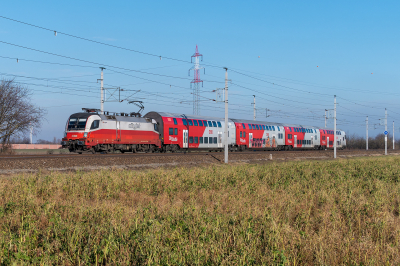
378,142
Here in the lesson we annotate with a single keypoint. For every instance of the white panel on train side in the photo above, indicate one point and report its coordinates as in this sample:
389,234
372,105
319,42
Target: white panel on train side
295,141
185,138
327,142
250,139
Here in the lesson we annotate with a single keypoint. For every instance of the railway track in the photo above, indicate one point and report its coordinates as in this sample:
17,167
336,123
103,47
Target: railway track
191,153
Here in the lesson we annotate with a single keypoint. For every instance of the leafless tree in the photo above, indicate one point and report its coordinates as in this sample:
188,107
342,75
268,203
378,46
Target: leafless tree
17,113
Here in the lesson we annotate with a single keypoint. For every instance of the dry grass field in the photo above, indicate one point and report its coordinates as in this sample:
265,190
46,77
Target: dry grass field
343,212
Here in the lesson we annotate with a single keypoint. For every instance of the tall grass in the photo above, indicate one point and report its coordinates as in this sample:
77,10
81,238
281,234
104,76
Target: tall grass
319,212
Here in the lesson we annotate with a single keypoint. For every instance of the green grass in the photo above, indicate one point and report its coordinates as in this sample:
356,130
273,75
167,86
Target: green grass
318,212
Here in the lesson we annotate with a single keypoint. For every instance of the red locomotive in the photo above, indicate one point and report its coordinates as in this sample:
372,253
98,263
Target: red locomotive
91,131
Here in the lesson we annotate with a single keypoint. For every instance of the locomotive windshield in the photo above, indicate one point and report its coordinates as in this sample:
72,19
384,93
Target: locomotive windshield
77,123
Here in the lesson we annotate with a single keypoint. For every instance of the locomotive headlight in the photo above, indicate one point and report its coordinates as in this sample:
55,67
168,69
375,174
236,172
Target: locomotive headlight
85,135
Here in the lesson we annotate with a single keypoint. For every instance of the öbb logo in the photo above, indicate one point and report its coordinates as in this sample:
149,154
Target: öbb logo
173,139
242,140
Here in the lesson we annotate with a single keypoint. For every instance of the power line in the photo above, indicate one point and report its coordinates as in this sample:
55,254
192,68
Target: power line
102,43
95,63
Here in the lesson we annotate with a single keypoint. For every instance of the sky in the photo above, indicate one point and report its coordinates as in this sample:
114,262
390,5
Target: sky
294,56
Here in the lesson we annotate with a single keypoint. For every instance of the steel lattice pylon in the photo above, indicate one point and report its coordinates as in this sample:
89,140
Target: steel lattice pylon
196,80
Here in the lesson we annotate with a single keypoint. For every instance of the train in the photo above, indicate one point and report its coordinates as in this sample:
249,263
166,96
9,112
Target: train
97,132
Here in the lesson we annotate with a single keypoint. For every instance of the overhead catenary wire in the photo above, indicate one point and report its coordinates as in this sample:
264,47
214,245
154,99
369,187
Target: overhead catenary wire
249,76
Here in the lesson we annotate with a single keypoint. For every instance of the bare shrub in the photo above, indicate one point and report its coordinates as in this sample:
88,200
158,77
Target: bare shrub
17,113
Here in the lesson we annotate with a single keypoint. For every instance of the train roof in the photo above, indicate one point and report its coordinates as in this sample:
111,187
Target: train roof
188,116
166,114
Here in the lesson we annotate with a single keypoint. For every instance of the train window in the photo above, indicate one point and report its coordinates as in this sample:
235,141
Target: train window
257,127
72,122
316,137
171,131
95,124
249,126
196,139
81,123
219,124
214,124
155,127
205,123
244,126
273,128
244,134
184,122
201,139
215,140
323,137
176,131
175,122
343,138
190,122
289,136
290,129
206,140
190,139
279,129
200,123
210,138
241,134
195,122
209,123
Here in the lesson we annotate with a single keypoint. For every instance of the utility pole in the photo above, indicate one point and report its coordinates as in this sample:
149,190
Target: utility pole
226,115
325,117
385,131
393,135
334,129
101,92
367,133
196,81
254,103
